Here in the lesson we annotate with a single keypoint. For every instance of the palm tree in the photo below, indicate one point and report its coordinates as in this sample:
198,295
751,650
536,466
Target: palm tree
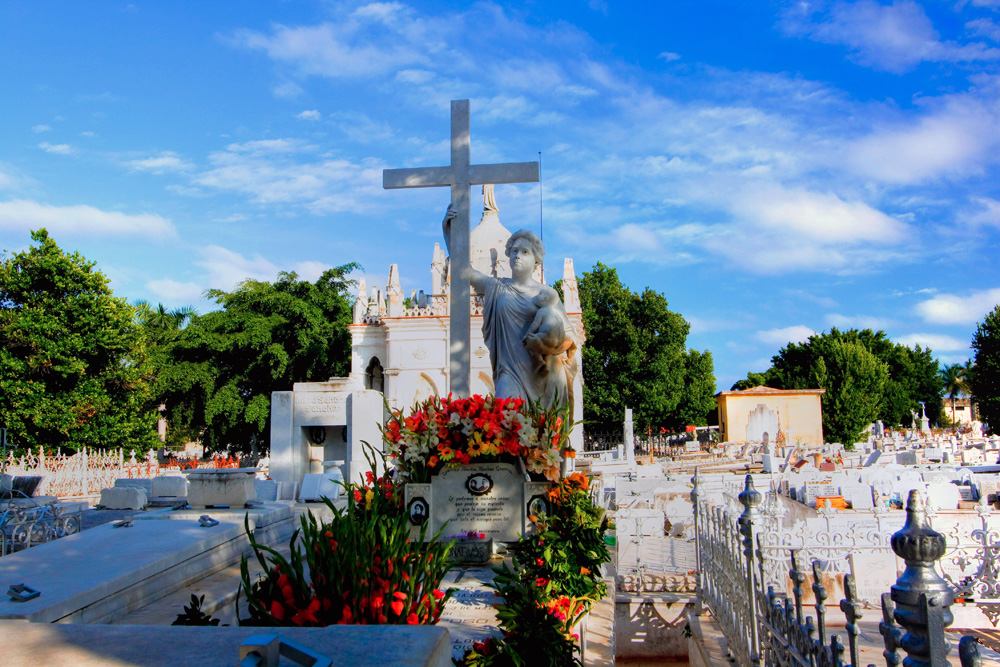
160,323
955,381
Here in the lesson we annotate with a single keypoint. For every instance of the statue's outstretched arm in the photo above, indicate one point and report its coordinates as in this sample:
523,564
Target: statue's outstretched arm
477,279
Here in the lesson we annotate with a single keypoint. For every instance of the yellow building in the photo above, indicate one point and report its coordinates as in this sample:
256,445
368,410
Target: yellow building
745,416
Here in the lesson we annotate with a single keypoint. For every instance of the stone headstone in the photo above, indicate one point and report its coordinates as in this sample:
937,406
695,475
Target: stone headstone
907,458
972,455
814,489
489,498
943,496
873,459
874,572
770,463
858,495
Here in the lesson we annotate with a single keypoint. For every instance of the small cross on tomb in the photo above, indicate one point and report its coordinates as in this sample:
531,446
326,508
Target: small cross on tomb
460,175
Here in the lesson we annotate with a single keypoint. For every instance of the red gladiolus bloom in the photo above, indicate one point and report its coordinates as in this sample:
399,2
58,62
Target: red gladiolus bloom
277,610
397,607
357,496
438,594
412,619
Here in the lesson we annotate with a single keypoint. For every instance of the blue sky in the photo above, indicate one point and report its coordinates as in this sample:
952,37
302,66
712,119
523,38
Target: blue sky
773,168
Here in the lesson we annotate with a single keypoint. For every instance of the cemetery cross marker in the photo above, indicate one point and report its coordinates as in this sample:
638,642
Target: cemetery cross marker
460,175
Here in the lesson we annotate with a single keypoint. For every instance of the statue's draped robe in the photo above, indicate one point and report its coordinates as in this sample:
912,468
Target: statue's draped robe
507,316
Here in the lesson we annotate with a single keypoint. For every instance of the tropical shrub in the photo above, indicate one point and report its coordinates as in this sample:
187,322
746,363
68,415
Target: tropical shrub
360,567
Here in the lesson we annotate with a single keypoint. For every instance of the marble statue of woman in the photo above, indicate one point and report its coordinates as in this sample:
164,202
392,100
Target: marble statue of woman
525,326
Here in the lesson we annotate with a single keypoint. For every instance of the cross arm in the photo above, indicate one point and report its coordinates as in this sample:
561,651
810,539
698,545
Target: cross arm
510,172
420,177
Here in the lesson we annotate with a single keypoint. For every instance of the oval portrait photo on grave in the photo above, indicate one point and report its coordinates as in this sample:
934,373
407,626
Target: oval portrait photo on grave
479,484
419,511
538,506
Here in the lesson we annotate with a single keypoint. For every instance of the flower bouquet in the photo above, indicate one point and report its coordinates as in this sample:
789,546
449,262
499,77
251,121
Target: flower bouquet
441,432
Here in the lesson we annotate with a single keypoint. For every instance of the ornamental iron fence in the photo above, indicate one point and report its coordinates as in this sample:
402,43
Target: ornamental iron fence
765,626
86,472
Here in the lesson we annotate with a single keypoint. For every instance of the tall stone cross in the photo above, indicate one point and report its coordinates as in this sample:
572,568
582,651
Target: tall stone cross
460,175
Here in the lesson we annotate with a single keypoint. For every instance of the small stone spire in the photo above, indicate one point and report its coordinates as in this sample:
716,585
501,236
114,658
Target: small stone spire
570,288
361,303
394,292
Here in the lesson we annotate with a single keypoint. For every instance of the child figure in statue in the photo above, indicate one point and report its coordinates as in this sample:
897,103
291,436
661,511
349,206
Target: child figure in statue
547,333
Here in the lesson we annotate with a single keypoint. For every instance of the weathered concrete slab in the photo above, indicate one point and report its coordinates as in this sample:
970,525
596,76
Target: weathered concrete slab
176,646
101,574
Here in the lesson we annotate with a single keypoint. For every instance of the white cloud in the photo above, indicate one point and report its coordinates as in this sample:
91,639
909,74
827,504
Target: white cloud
165,162
953,140
935,342
347,49
310,270
288,90
227,268
266,146
777,229
172,291
266,172
793,334
310,114
669,56
23,215
57,149
984,28
12,179
894,38
987,212
818,216
858,321
38,129
954,309
87,134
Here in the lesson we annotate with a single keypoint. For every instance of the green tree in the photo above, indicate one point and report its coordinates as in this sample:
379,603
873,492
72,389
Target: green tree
73,367
984,380
854,380
217,376
913,375
635,357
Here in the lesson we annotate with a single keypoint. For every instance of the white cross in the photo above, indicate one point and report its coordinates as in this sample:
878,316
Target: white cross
460,175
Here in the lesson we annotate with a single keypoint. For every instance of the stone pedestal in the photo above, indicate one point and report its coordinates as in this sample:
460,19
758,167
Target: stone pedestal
221,487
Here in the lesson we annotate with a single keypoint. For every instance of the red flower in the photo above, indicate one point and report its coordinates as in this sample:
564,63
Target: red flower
397,607
357,496
412,619
438,594
277,610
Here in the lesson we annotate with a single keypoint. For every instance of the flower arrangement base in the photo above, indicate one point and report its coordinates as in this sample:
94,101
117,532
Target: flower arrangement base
471,551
